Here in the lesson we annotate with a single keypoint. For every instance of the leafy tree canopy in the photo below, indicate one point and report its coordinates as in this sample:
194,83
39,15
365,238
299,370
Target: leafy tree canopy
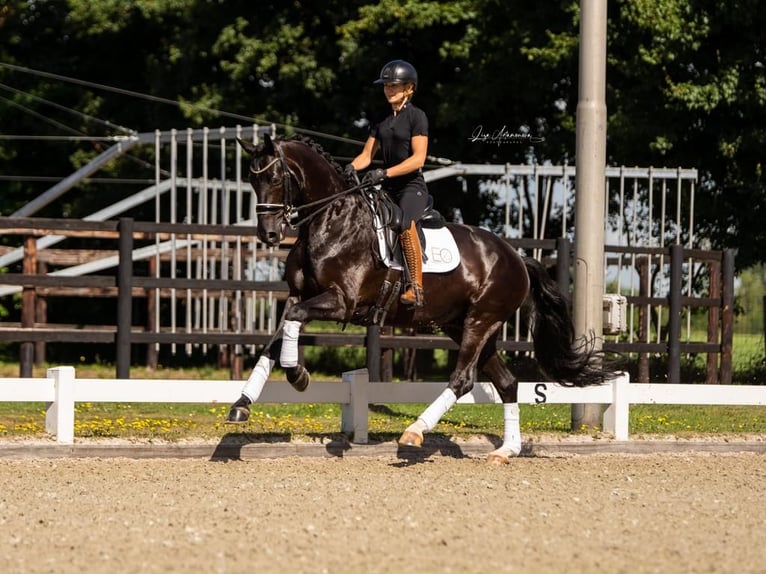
686,83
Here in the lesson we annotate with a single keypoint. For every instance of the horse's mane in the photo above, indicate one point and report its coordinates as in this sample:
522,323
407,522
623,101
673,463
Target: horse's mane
321,151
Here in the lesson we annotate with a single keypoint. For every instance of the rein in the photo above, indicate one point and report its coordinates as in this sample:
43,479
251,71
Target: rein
324,203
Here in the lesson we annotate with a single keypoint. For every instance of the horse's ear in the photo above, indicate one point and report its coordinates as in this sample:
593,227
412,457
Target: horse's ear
268,145
247,146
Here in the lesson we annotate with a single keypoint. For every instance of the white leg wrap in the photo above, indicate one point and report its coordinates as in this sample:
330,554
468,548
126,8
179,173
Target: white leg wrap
418,427
258,377
438,408
511,433
289,355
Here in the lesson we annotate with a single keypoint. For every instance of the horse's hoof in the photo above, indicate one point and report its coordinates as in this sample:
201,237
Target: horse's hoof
502,455
238,415
239,411
298,377
497,459
410,438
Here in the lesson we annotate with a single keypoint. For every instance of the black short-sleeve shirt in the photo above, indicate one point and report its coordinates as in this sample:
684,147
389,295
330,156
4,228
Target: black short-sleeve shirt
394,135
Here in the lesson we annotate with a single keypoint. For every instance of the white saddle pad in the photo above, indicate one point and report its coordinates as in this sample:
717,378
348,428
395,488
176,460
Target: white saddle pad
441,253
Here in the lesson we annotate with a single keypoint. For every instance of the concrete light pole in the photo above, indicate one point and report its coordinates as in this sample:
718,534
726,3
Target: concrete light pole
590,186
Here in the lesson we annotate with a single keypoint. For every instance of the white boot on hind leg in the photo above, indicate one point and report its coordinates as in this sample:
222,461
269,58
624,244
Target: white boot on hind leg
413,435
511,446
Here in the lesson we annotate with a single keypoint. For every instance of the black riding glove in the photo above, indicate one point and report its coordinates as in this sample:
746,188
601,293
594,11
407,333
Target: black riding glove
374,177
350,173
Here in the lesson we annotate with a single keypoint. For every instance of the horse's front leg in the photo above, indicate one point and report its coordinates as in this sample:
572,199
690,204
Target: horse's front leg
329,305
239,412
296,374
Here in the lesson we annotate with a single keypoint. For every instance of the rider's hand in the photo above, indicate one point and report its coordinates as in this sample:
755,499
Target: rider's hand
350,173
374,177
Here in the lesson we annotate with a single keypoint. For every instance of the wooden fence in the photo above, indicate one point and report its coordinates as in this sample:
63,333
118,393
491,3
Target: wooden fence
36,284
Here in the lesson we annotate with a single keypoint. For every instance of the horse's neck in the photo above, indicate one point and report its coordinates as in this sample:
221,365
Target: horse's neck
348,219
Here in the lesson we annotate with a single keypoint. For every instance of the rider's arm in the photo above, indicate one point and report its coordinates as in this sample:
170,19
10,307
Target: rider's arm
364,159
415,161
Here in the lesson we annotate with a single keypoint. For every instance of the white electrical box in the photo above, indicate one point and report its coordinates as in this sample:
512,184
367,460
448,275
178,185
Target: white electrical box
615,313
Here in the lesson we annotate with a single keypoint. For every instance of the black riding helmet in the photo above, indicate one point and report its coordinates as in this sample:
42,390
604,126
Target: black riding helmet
398,72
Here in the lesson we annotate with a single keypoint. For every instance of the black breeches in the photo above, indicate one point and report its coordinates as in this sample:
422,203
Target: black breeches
413,201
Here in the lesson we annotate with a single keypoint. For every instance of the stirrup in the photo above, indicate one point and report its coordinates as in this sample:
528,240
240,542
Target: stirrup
412,296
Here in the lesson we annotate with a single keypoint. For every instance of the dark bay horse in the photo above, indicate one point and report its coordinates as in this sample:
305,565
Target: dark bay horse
335,273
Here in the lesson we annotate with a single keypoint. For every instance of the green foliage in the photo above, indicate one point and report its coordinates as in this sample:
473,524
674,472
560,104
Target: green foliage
686,84
750,294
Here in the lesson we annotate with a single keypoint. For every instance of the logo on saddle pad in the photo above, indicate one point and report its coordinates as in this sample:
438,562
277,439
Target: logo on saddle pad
440,254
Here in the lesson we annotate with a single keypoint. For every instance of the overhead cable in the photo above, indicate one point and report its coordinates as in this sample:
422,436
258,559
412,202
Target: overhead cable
176,103
72,111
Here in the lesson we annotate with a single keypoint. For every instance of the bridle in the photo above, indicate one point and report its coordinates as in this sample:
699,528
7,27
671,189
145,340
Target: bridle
286,209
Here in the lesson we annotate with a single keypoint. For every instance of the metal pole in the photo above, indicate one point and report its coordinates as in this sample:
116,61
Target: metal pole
28,304
590,187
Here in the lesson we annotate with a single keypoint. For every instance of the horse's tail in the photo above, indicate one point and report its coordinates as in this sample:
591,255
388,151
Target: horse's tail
560,356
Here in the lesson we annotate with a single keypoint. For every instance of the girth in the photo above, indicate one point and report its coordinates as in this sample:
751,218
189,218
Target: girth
389,291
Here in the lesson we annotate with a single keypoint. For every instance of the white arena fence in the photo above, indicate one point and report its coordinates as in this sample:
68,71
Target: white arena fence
60,390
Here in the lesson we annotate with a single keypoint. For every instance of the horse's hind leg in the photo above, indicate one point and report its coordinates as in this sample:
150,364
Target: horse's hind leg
507,387
471,340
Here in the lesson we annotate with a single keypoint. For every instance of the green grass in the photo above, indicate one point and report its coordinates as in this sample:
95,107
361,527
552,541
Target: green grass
175,422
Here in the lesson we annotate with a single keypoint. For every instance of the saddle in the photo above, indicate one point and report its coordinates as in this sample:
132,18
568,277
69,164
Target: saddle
440,253
390,214
387,216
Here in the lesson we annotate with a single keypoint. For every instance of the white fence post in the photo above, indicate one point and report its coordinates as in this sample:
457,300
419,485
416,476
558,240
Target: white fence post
616,416
59,415
354,414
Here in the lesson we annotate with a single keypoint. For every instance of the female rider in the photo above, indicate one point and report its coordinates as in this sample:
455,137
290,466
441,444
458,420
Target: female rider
403,137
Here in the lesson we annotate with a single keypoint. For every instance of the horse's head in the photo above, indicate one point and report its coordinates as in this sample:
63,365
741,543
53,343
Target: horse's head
276,186
289,177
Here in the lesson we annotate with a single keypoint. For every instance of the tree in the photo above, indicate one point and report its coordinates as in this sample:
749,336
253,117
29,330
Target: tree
750,294
690,89
686,84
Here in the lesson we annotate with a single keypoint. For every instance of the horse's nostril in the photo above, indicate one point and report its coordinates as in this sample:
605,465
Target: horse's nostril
272,237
